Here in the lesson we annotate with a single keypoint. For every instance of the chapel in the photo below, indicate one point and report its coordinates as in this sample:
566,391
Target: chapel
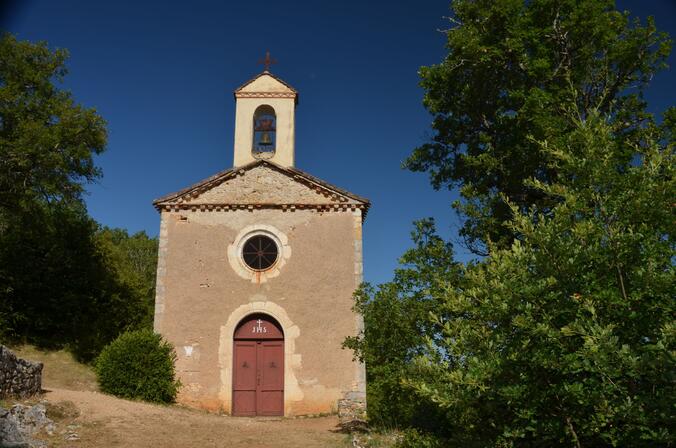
256,269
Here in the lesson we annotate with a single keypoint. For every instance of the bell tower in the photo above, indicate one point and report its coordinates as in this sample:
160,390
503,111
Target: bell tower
264,120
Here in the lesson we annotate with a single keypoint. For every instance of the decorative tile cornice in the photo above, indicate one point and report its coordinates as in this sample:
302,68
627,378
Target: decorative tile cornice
219,207
292,94
265,95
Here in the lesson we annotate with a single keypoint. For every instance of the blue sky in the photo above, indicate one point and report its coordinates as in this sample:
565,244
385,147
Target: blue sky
163,76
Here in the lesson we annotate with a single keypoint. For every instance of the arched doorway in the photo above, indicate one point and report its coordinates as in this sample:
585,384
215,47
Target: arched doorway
258,367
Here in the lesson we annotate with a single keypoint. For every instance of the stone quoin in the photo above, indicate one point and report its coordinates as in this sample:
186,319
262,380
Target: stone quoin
256,270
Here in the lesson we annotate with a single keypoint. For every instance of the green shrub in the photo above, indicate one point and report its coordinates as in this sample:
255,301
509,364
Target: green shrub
138,365
416,439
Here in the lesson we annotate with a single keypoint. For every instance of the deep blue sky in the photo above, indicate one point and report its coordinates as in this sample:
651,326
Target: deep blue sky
163,78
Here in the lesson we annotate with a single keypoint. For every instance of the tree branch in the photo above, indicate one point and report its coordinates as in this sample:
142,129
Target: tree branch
572,431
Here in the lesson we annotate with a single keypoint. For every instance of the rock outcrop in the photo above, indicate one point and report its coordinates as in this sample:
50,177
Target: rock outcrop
21,423
18,377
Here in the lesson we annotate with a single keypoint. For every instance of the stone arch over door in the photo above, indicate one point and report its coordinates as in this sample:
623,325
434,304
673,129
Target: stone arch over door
292,360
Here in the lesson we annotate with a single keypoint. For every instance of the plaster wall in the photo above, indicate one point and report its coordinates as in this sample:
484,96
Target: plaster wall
201,298
285,114
265,83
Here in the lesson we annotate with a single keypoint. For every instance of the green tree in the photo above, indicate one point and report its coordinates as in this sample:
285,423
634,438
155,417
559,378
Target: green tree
513,71
49,264
63,280
564,334
567,337
134,259
64,284
47,141
397,324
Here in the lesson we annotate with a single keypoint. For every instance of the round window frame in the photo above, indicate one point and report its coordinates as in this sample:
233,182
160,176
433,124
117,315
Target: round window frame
258,235
239,266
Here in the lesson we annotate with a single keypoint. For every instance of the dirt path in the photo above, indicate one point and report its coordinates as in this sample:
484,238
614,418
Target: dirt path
106,421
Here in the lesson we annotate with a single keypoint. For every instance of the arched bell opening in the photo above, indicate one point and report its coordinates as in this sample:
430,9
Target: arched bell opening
264,132
258,367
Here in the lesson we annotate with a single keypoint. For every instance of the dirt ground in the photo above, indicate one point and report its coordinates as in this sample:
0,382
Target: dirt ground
92,419
106,421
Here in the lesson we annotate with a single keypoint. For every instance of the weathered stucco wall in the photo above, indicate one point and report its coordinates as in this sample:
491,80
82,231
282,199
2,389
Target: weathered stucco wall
201,297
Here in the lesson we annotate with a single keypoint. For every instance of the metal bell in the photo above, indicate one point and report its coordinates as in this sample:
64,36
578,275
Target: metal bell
265,139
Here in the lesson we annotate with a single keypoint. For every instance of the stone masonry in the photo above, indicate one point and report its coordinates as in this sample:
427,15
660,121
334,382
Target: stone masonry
18,377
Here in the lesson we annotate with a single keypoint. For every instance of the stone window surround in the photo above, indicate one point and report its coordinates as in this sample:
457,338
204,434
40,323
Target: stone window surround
235,252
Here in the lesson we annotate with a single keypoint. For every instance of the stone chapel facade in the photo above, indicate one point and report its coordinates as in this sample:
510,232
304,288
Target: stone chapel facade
257,266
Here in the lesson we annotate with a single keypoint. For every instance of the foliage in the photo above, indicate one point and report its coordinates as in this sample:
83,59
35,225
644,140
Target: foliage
564,334
416,439
396,318
567,337
138,365
514,69
134,258
47,142
63,284
63,281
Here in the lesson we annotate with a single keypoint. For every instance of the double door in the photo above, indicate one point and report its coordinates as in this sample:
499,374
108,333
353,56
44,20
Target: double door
258,382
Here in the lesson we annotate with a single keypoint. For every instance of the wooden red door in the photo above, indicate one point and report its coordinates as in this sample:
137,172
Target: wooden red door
258,373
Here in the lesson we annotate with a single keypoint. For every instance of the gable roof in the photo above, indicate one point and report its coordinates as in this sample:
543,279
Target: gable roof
239,92
183,198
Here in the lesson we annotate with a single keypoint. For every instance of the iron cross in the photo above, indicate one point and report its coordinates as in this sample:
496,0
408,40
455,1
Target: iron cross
268,61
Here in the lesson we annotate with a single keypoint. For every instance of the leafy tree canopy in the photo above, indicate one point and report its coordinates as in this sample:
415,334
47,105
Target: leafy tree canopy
64,281
566,338
397,324
514,71
47,141
134,259
563,335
